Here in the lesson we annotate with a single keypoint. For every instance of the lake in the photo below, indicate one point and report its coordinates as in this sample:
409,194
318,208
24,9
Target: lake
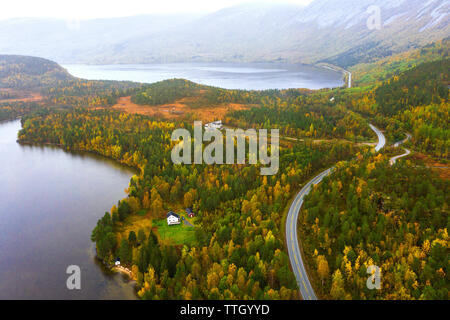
50,200
249,76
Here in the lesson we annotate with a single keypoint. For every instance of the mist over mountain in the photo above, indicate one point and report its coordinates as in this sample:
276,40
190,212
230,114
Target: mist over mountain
332,31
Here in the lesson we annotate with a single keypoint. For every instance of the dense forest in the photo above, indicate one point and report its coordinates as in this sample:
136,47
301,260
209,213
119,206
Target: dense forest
414,101
238,250
9,111
297,113
367,213
88,93
304,117
383,69
169,91
421,86
371,213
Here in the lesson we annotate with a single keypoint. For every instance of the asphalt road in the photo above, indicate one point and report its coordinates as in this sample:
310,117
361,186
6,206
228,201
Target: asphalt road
381,138
298,267
349,85
393,160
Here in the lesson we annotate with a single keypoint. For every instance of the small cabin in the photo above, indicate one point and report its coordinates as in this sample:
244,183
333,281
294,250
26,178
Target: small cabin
190,213
117,262
173,219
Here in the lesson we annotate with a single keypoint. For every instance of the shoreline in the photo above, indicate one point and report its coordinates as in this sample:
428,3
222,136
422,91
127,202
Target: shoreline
123,270
76,151
10,120
329,66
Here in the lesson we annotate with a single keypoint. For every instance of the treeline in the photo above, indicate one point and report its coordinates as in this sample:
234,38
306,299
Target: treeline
10,111
370,213
88,93
312,116
297,113
167,91
238,251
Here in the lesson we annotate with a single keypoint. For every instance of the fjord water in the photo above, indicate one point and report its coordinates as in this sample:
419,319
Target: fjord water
50,201
249,76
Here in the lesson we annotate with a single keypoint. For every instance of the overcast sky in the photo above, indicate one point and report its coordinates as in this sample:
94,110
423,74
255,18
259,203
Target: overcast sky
88,9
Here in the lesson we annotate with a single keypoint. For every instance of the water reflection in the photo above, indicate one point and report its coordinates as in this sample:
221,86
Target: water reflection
50,200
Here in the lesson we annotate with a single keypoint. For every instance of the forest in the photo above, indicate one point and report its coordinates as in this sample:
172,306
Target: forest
366,213
309,116
169,91
10,111
370,213
88,93
369,74
238,252
414,101
22,72
296,112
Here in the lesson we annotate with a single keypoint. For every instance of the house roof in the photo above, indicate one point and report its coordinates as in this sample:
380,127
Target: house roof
189,210
171,213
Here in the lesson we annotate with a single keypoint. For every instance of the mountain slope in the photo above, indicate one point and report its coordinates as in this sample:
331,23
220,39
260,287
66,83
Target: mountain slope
26,72
333,31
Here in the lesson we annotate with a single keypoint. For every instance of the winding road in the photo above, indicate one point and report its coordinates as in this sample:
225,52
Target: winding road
398,144
381,138
295,256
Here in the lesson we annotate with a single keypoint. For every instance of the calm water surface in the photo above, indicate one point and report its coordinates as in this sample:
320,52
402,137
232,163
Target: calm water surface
50,201
254,76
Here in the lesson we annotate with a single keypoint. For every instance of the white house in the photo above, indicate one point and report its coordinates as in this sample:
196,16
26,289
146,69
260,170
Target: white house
214,125
173,218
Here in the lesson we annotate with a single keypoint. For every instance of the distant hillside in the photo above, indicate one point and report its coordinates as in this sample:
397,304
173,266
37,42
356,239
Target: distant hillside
333,31
21,72
386,68
426,84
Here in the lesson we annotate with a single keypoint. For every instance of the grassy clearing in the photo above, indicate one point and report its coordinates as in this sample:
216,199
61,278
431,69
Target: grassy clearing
177,234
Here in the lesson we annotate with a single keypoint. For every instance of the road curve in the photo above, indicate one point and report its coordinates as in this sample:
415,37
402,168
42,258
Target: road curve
298,266
393,160
381,138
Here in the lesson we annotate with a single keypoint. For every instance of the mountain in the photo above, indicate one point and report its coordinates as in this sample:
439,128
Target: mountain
333,31
27,72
